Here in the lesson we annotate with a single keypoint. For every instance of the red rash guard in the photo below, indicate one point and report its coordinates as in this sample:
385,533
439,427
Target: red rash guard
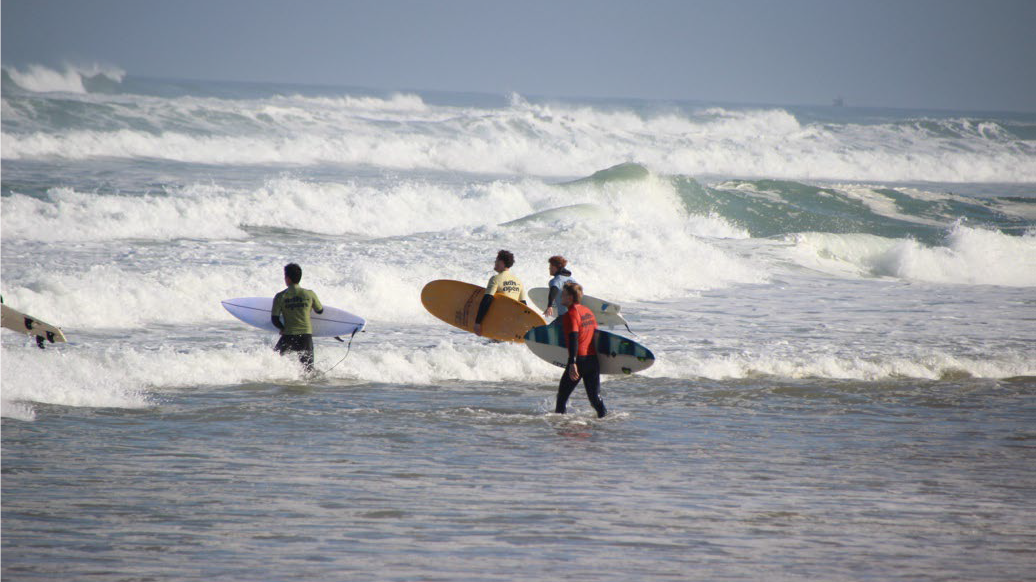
581,320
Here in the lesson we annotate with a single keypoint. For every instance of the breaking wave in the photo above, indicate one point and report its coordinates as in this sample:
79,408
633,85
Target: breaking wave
404,132
968,256
70,79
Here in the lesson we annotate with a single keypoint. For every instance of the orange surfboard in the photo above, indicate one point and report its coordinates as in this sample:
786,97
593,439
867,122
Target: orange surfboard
456,303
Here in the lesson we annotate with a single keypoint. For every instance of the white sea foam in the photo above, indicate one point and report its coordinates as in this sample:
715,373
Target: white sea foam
652,248
205,211
117,375
445,361
108,296
403,132
40,79
66,378
645,247
971,256
397,102
68,215
133,375
113,375
791,362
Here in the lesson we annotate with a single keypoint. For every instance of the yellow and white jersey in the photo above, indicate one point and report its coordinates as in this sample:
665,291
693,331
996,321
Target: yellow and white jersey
506,283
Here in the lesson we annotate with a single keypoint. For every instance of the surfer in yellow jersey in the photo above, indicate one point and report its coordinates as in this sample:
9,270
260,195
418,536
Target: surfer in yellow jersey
505,283
295,303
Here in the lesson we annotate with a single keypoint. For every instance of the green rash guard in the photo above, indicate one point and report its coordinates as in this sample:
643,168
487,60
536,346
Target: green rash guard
295,303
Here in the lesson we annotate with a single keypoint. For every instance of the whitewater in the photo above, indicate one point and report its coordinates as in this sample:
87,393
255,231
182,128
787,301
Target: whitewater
841,303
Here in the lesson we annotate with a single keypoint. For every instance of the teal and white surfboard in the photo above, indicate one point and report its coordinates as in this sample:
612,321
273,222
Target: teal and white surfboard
616,354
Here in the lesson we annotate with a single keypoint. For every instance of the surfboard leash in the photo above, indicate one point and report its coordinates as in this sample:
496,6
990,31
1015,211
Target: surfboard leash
347,349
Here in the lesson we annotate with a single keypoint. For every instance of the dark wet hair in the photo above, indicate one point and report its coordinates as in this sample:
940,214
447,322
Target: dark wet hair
507,257
575,290
293,272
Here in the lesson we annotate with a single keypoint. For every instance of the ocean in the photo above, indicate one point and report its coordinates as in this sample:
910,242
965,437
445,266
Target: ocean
841,302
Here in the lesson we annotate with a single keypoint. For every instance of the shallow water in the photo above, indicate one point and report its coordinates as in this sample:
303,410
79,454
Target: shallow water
474,481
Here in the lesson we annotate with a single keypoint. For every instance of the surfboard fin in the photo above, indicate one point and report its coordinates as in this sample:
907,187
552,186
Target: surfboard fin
339,338
39,342
29,323
627,324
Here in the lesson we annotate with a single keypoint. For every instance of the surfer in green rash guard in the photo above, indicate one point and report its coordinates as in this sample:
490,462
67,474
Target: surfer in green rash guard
503,282
295,304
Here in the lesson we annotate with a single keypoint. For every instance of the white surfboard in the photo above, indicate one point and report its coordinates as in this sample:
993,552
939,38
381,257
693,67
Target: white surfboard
606,312
616,354
331,323
17,321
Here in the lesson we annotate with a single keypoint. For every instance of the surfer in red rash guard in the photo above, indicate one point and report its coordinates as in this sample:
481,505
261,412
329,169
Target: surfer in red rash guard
579,326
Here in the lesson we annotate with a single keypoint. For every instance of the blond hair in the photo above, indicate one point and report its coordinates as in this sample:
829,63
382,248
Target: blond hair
575,290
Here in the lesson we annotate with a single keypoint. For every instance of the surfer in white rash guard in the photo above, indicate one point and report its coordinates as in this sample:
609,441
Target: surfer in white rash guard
295,303
559,276
503,282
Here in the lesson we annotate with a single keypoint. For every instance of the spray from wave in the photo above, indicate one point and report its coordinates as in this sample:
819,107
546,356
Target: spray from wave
70,79
968,256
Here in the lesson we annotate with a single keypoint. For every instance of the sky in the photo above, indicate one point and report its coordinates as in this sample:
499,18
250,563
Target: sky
974,55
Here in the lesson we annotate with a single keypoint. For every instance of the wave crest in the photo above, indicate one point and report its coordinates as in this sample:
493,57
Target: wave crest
70,79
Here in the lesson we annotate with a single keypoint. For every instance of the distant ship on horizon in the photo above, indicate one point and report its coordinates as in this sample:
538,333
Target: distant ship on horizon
838,102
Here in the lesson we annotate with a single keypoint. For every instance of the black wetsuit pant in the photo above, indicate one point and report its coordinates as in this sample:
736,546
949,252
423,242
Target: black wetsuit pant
590,374
299,344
